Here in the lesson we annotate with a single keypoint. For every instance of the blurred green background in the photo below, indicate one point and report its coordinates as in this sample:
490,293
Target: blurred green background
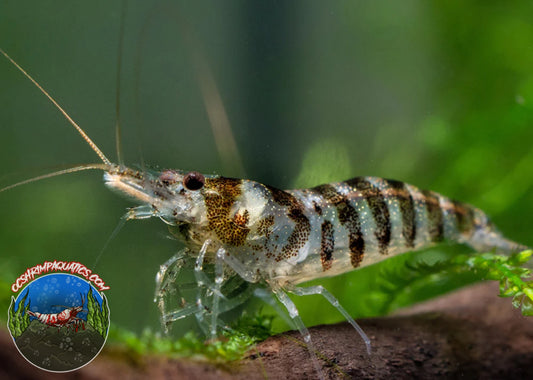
437,94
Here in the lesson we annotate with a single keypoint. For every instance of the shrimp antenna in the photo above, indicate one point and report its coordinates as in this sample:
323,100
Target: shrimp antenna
118,131
74,124
216,112
58,173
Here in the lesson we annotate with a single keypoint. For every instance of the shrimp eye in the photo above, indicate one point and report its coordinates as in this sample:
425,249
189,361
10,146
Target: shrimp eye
193,181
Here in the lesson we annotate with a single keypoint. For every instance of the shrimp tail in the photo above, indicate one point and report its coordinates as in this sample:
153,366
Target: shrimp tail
485,237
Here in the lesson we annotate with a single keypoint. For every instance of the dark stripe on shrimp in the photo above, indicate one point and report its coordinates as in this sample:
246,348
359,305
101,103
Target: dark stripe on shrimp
407,209
348,218
464,215
435,217
302,228
379,209
327,245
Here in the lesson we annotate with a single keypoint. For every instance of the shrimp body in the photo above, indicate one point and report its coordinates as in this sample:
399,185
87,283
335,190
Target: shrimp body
290,237
279,239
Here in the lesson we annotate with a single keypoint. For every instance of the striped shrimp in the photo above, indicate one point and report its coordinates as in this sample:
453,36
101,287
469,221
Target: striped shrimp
274,240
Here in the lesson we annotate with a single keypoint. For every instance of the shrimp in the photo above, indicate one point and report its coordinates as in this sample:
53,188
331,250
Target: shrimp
274,240
66,317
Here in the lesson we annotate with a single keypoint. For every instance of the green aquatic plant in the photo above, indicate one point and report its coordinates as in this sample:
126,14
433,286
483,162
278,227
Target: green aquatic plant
231,345
98,316
19,320
419,280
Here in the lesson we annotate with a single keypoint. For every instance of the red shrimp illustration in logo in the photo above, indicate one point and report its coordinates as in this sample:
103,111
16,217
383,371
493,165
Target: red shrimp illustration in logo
66,317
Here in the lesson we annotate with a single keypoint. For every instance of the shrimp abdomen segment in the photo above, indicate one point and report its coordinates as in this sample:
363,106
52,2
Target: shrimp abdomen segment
364,220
